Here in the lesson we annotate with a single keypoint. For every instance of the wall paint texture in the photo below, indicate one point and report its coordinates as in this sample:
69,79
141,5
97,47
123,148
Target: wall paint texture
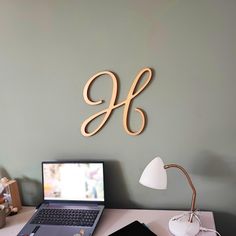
48,51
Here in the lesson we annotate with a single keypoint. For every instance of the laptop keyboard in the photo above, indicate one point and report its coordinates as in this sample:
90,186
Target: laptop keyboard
70,217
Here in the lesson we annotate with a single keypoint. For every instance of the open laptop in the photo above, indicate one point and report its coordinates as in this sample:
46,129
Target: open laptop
73,200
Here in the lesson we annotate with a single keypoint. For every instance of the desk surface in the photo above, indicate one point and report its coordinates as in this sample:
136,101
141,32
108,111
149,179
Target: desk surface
114,219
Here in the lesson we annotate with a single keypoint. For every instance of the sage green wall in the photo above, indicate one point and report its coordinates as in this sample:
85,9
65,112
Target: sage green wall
48,51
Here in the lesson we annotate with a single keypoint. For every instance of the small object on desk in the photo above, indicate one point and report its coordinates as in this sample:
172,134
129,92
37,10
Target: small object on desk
9,193
135,228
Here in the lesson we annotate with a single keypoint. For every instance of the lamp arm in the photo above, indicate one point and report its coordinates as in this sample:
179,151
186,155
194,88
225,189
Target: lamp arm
191,185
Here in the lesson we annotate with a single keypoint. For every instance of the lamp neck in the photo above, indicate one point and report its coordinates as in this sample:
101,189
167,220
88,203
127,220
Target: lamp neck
191,185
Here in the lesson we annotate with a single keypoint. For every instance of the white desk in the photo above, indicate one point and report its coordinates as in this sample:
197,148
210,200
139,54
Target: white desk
114,219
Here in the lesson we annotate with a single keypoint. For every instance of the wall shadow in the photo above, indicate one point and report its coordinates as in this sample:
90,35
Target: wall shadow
4,173
116,191
210,164
225,223
30,191
217,167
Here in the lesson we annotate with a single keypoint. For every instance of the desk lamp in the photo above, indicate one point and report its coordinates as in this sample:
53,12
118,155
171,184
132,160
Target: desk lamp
154,176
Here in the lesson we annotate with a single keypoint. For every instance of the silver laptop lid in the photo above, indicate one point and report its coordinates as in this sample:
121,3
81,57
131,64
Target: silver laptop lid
73,181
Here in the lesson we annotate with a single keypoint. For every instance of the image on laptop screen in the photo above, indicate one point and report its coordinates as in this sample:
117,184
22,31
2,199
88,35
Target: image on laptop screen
73,181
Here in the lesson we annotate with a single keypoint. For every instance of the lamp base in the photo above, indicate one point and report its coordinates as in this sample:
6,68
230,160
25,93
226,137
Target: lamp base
180,226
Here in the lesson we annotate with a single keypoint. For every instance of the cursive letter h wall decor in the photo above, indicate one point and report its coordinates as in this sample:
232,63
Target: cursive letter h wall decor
133,92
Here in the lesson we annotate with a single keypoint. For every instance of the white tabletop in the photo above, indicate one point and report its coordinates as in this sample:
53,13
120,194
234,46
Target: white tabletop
156,220
114,219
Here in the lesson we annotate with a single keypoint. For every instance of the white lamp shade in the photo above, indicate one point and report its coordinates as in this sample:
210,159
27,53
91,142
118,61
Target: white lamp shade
154,175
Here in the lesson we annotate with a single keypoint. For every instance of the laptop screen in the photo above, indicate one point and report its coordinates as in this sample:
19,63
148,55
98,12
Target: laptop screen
73,181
